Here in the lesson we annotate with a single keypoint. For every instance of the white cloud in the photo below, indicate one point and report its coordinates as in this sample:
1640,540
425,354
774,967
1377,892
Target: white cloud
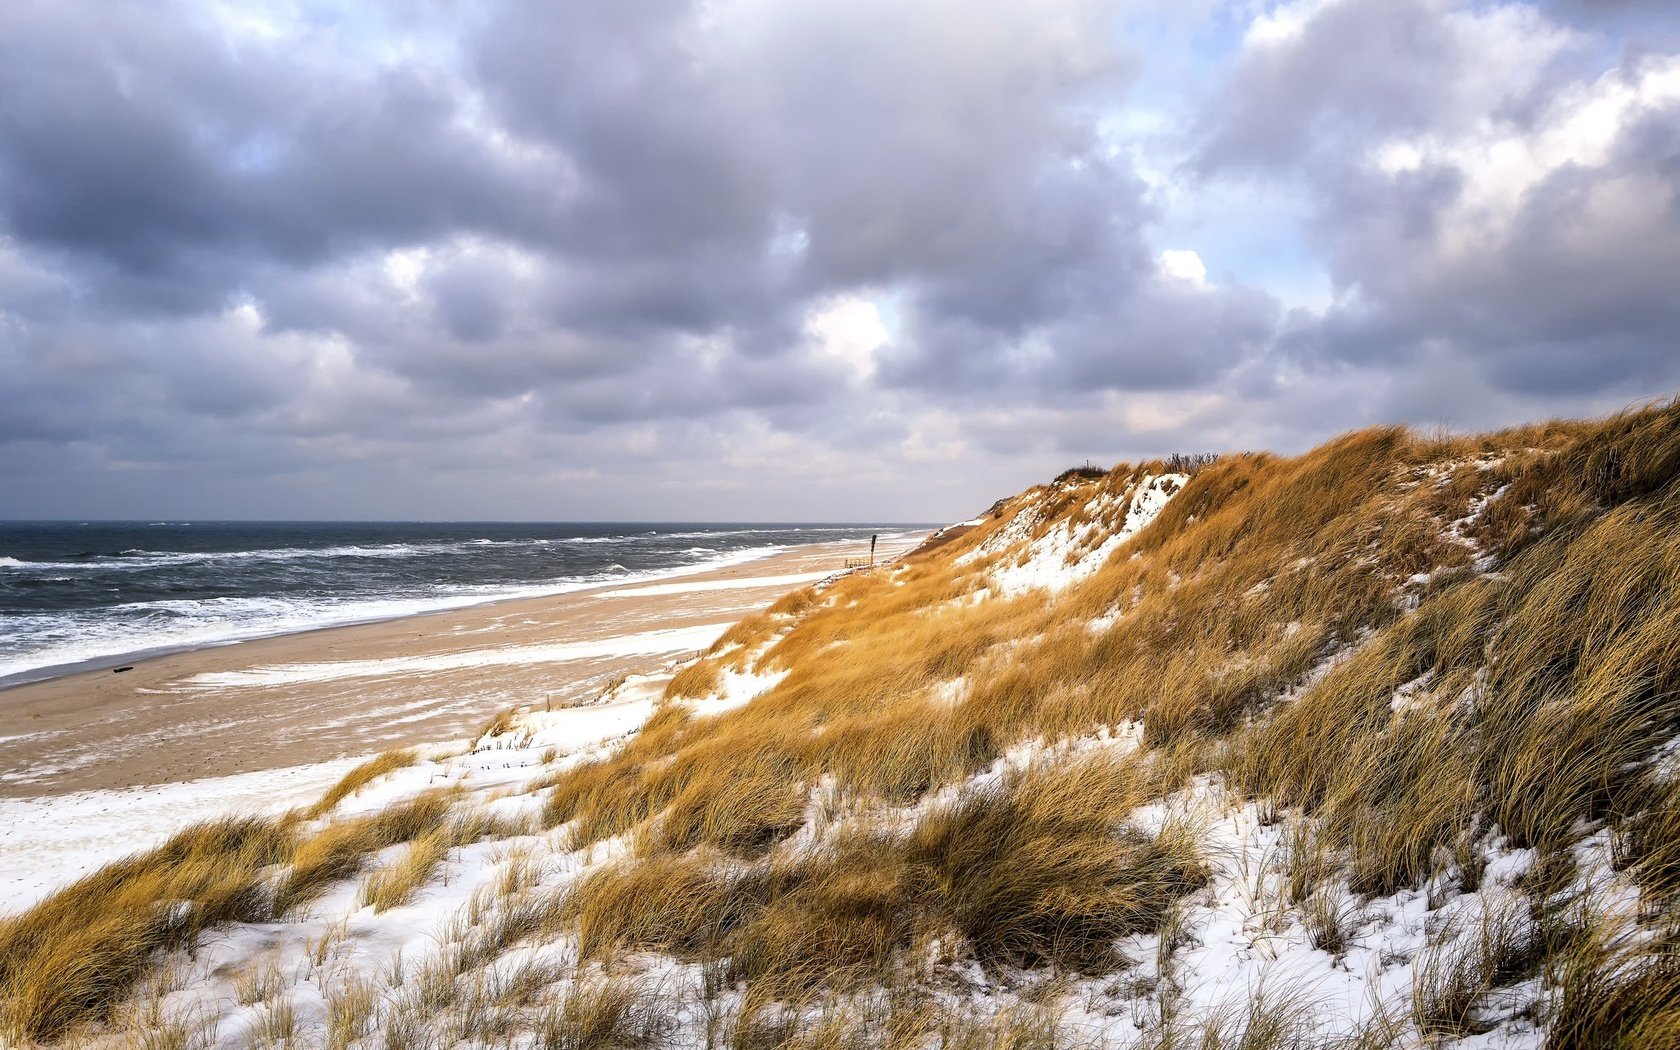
1500,162
847,329
404,267
1283,23
1184,264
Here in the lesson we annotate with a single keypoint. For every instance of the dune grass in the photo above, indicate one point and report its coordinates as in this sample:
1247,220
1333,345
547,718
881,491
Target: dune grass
74,955
393,885
1277,612
1409,648
601,1012
1039,869
363,775
339,850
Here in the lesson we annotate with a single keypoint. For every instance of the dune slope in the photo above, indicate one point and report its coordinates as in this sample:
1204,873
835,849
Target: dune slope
1372,746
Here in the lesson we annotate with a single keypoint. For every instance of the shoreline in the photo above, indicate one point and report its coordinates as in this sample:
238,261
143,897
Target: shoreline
53,672
335,691
94,766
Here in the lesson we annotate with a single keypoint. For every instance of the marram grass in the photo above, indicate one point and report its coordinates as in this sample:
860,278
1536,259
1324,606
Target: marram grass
1400,648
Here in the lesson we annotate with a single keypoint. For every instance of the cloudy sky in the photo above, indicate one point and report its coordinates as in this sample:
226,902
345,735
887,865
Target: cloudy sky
779,259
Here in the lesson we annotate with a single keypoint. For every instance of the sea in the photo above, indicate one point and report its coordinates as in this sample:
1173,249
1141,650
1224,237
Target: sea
84,595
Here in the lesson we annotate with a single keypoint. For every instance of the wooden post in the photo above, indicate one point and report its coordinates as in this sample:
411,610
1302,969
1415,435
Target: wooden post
872,540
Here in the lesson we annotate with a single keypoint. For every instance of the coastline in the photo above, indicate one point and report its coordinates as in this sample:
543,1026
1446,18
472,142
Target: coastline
105,661
96,765
337,691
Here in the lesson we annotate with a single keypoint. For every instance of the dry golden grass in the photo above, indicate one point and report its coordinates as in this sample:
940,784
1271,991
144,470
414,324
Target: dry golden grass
1456,972
1616,994
339,850
701,678
259,982
277,1025
909,1023
352,1006
602,1013
1408,646
499,723
363,775
1039,869
759,804
74,956
1527,702
393,885
192,1033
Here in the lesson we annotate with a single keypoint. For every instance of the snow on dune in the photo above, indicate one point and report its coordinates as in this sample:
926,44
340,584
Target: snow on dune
737,688
50,841
1067,552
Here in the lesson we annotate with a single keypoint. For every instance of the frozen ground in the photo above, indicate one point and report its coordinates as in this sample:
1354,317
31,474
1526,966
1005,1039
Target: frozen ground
53,840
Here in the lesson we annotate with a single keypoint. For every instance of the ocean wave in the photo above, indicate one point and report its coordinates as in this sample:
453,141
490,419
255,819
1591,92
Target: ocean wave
761,530
32,644
139,559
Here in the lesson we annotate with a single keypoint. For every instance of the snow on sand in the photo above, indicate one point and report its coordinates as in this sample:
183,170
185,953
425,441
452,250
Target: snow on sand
671,640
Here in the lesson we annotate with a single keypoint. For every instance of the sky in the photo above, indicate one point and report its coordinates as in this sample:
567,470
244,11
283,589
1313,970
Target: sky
879,260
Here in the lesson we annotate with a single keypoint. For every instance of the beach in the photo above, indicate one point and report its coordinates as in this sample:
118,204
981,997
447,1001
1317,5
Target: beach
97,764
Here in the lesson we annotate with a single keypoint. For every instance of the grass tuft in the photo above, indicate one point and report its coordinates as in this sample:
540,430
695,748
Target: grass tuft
361,776
393,885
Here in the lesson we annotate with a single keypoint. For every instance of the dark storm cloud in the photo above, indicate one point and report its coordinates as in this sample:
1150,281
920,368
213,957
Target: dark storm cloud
1353,66
1160,335
164,161
361,249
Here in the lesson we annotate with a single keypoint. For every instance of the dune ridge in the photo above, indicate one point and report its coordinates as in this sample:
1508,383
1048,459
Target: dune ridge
1371,746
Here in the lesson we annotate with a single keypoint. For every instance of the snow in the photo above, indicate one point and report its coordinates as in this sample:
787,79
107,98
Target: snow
339,942
679,639
1067,553
1240,936
578,729
1237,940
53,840
50,841
737,688
787,581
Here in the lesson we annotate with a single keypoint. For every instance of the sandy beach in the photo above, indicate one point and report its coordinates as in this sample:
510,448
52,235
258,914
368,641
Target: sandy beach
338,692
98,764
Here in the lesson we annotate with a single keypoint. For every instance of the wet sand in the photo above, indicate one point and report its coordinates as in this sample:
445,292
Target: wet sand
344,691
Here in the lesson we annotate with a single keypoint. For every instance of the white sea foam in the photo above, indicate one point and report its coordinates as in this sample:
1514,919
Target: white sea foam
40,644
138,559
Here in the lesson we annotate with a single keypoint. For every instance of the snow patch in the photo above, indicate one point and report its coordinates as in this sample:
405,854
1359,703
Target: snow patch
1067,553
680,639
51,841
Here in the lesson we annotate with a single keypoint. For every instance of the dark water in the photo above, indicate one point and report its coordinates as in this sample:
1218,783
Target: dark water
74,594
